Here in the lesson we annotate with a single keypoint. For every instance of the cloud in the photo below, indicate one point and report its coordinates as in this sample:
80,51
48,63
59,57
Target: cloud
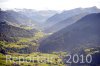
3,1
49,4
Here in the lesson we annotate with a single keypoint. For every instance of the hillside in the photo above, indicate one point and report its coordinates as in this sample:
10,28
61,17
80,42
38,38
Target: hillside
60,25
12,31
84,33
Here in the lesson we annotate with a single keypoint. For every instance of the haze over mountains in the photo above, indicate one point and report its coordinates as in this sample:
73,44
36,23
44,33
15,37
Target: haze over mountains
25,17
69,13
59,21
38,16
60,25
69,29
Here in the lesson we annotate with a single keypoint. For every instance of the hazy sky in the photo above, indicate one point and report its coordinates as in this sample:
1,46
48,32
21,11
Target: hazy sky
49,4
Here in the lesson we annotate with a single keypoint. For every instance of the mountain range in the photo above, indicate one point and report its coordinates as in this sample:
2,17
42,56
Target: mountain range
68,17
72,28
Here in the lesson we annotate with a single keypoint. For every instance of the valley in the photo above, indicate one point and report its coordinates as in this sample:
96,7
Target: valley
47,38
